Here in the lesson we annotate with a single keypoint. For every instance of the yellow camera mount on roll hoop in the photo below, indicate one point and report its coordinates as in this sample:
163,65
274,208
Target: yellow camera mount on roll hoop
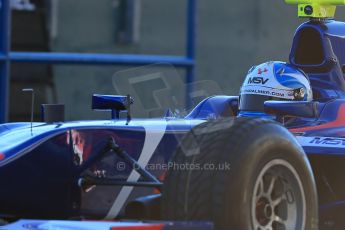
316,8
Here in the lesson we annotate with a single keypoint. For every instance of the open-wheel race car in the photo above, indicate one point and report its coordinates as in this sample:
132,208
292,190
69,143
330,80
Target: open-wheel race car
273,163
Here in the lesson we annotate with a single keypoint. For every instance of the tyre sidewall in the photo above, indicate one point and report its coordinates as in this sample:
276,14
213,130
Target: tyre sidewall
264,144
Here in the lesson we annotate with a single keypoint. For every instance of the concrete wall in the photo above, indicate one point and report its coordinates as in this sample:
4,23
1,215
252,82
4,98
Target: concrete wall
232,36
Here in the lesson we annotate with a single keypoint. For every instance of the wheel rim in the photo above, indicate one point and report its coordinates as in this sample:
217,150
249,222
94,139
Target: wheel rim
278,200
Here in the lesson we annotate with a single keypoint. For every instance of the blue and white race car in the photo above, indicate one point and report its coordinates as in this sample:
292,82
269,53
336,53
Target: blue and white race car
272,158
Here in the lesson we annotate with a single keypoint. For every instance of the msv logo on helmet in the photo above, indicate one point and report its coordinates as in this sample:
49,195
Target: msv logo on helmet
257,80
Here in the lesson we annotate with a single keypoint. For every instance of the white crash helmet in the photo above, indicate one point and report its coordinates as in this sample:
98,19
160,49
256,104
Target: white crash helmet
273,81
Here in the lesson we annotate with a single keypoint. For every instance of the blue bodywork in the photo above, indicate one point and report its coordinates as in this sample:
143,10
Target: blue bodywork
48,163
40,170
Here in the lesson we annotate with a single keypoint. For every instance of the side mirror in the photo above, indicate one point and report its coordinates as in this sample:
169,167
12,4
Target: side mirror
292,108
114,103
109,102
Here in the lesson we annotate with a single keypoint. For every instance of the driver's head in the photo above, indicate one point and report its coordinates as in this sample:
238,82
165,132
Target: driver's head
273,81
